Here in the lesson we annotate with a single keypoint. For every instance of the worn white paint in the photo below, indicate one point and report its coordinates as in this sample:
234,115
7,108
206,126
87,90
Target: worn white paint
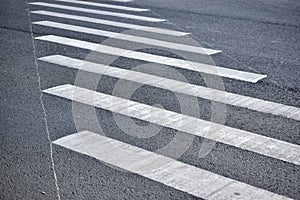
179,87
99,12
111,23
231,136
187,178
198,67
126,37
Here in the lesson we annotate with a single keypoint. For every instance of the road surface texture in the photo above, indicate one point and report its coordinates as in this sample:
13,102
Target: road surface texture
150,99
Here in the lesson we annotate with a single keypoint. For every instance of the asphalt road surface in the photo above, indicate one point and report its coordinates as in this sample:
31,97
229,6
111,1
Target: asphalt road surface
150,99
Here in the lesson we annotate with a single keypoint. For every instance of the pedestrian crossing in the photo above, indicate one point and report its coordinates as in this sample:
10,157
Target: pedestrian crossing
173,173
99,12
111,23
132,38
235,137
183,64
184,177
255,104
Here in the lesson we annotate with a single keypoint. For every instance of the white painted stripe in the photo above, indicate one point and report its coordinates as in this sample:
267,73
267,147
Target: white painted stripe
99,12
112,23
179,87
199,67
187,178
103,5
231,136
132,38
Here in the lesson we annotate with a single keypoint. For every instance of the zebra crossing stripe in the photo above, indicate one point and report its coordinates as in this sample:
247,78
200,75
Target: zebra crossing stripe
179,87
111,23
99,12
227,135
103,5
198,67
132,38
187,178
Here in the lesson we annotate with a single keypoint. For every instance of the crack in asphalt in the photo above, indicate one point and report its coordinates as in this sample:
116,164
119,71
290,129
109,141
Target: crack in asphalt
43,106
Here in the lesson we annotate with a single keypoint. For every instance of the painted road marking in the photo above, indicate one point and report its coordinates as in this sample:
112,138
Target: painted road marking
99,12
132,38
112,23
173,173
198,67
103,5
231,136
179,87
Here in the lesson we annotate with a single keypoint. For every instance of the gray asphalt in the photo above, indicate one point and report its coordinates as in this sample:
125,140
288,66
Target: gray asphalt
257,36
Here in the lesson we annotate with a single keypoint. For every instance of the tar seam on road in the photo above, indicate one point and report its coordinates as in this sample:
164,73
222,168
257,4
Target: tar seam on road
42,103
